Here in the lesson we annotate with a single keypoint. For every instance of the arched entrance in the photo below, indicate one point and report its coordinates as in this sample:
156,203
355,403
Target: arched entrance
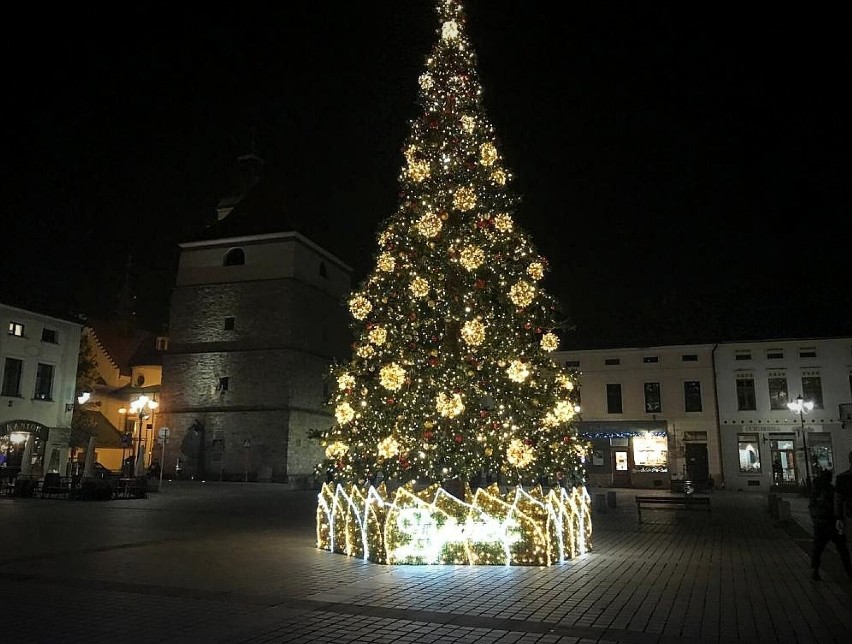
13,438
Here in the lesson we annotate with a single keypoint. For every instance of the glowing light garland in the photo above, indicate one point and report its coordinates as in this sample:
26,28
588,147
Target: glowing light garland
430,526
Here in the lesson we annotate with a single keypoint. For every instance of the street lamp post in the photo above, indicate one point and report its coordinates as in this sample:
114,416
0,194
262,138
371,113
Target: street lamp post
800,406
142,407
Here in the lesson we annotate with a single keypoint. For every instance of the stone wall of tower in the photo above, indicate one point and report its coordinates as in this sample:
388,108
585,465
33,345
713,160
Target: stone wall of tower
248,359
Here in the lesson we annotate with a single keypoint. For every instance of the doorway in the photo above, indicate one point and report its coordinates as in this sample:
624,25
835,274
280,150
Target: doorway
620,467
697,466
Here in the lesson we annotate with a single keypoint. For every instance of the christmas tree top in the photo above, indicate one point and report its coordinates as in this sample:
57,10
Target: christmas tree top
451,374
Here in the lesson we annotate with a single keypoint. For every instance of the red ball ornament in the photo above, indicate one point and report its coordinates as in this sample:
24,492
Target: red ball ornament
434,362
390,400
538,330
427,435
458,438
480,283
566,439
412,316
528,325
483,413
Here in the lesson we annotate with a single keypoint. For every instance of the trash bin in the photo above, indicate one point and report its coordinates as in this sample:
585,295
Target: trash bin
610,499
784,513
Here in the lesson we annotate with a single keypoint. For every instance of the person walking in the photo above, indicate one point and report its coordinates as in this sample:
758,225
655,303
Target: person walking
843,497
822,509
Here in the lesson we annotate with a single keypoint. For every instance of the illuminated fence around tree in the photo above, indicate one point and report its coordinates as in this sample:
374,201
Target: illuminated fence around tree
431,526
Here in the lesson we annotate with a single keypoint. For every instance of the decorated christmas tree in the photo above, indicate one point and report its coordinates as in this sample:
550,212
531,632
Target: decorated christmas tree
451,375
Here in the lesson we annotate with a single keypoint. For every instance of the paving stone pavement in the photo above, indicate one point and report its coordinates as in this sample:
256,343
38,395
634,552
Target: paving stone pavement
231,562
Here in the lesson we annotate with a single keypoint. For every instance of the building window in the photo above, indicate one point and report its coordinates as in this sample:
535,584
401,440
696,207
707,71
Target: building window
775,354
692,395
613,399
749,451
807,352
44,381
162,343
323,272
822,456
572,364
742,355
235,257
812,390
653,404
49,335
229,324
689,357
140,380
746,400
778,395
650,453
612,362
650,359
16,328
224,382
12,377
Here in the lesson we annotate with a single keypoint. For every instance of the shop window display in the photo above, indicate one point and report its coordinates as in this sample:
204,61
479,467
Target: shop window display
749,452
650,453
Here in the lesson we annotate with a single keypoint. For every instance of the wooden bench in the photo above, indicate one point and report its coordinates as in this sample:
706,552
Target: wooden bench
685,502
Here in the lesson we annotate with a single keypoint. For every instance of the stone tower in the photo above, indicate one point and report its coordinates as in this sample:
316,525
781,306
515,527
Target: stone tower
257,317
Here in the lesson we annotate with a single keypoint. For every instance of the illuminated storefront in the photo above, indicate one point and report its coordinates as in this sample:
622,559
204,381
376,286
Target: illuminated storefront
628,454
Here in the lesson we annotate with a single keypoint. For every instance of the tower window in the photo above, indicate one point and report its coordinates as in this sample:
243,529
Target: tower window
235,257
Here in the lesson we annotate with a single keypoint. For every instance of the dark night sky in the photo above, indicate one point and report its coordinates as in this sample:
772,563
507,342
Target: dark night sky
684,172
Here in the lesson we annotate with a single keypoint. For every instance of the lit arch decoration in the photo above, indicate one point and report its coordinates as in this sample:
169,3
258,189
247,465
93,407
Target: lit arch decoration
431,526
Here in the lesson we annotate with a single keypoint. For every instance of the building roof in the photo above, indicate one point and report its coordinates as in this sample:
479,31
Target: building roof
264,209
125,345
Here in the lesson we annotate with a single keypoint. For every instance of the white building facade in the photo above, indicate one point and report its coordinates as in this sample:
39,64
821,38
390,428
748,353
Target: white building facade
716,414
650,415
764,443
38,358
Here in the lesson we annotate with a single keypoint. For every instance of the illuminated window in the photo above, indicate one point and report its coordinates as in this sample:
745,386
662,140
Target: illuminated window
651,453
749,453
16,328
